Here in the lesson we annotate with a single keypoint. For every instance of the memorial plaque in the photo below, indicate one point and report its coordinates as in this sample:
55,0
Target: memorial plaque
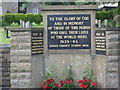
37,42
72,31
100,40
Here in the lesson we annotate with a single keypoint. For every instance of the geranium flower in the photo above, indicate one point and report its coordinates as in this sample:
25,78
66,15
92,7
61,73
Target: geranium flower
69,81
62,81
81,85
56,84
93,83
44,87
85,86
84,81
43,84
48,87
79,81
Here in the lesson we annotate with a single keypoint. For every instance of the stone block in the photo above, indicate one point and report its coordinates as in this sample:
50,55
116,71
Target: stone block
14,39
25,46
24,39
112,45
24,52
111,59
112,38
14,46
14,59
14,33
21,75
21,83
20,67
24,59
112,52
27,33
111,32
14,52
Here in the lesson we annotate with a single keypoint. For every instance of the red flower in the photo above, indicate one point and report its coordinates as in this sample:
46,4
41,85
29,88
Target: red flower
81,85
44,87
79,81
85,86
48,87
57,85
69,81
49,81
61,84
62,81
84,81
84,78
43,84
93,83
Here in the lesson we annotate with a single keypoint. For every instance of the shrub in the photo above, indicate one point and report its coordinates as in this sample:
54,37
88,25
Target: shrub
9,18
101,15
38,18
29,17
18,17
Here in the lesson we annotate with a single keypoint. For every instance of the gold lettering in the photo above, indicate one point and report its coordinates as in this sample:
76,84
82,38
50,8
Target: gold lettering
84,27
58,23
58,27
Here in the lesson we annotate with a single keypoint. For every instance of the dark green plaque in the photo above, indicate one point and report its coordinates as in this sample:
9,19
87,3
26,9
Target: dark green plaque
37,42
100,40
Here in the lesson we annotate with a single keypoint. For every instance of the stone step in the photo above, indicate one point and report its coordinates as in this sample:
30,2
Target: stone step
112,59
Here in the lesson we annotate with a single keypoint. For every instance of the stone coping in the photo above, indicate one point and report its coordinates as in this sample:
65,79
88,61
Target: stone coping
68,7
4,45
108,29
24,29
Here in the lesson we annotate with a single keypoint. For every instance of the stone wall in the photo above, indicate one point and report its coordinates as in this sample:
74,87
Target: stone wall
107,66
10,6
26,70
33,5
5,66
112,60
20,53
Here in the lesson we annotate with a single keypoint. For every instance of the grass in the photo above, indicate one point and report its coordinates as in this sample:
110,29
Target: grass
4,40
15,25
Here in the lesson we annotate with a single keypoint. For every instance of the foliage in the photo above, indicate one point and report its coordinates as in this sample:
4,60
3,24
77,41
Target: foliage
60,3
29,17
87,81
18,17
104,15
9,18
118,7
38,18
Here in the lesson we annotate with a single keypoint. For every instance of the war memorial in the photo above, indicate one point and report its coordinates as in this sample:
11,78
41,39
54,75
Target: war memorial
69,38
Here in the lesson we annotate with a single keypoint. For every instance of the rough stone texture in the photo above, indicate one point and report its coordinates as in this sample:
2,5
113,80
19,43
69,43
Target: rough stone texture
20,53
33,5
112,70
4,67
10,6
